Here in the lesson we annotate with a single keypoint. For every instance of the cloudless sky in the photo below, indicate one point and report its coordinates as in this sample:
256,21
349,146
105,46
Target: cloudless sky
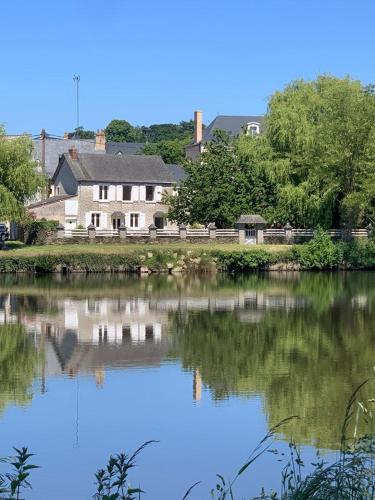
155,61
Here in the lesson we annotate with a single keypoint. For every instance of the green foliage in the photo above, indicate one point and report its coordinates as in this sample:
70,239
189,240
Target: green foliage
81,133
225,182
122,131
36,231
320,253
19,179
171,151
240,261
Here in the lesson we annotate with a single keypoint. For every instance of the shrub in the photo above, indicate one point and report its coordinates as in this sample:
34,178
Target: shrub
320,253
36,231
242,261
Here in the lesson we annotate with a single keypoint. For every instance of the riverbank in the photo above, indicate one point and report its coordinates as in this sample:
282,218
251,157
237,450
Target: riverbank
319,254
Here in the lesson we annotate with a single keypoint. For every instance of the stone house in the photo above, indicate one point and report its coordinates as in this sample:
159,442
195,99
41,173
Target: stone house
108,191
234,125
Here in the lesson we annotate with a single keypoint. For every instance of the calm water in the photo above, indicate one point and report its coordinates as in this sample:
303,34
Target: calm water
95,365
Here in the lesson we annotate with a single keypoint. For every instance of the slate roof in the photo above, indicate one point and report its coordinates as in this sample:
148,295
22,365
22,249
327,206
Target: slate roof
251,219
177,172
125,148
119,168
56,147
51,199
233,125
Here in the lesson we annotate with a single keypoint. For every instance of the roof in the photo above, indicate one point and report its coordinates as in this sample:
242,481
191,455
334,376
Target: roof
251,219
177,172
51,199
119,168
56,147
233,125
125,148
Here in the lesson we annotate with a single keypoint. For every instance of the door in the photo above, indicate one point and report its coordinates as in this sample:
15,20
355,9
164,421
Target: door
159,222
116,223
250,236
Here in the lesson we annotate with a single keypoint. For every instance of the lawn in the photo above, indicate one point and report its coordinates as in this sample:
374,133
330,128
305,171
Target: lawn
19,249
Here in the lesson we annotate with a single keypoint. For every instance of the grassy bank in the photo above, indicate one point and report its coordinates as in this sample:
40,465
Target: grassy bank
319,254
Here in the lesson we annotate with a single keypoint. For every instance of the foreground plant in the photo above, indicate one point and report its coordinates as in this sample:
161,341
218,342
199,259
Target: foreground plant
12,483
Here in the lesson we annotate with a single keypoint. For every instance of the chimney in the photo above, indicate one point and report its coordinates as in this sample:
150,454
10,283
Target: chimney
43,135
66,135
100,140
73,153
198,128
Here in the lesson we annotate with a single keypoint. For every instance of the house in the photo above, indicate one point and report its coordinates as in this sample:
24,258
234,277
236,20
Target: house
232,124
108,191
48,148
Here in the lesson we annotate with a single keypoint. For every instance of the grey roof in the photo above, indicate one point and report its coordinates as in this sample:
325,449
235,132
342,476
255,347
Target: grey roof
119,168
51,199
233,125
251,219
177,172
56,147
125,148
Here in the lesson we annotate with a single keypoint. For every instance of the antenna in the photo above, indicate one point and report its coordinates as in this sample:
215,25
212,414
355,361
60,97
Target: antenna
76,79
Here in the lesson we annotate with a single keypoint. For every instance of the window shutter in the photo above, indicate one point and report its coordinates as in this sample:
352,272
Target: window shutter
88,218
158,193
112,193
119,193
103,220
142,220
135,193
95,193
127,220
142,193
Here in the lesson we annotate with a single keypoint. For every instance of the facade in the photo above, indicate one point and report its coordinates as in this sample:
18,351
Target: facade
232,124
108,191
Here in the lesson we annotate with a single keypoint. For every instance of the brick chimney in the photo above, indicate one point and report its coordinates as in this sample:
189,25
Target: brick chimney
100,140
73,153
198,127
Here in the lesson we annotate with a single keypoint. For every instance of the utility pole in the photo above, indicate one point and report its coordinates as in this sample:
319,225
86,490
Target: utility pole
76,79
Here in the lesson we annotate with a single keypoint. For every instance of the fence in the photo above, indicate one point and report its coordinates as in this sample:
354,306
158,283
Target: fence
269,235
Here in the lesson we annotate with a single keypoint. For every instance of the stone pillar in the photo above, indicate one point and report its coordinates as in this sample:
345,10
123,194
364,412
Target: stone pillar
212,231
241,234
260,236
122,232
60,231
152,229
182,229
92,232
288,233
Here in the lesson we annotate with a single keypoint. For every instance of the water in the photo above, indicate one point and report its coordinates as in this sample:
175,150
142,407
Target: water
97,365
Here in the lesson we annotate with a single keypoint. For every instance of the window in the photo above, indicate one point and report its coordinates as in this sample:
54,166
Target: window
126,193
150,193
95,220
103,334
103,192
116,223
134,220
149,332
126,332
252,129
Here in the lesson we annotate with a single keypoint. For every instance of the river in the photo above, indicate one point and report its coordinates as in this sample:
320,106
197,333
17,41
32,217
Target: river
95,365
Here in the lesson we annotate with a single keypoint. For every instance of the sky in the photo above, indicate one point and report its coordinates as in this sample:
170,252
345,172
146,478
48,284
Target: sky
156,61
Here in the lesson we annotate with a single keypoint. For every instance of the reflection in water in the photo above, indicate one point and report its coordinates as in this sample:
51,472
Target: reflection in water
301,342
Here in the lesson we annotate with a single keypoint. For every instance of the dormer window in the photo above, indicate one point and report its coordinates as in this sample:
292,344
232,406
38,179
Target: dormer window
252,129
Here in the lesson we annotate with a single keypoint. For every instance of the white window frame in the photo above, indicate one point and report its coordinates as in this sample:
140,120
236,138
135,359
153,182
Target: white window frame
96,219
131,215
252,129
103,189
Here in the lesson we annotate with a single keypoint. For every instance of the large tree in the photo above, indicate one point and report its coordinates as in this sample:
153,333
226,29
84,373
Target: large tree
230,178
170,151
122,131
324,130
19,176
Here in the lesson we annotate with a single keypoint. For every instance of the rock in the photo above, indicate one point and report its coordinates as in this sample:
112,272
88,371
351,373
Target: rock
170,265
177,270
144,270
150,255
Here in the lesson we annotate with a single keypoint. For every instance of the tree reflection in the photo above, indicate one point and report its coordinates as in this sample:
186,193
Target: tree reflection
18,365
303,361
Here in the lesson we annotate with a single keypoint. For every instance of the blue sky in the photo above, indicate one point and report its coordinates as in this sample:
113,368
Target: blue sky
155,61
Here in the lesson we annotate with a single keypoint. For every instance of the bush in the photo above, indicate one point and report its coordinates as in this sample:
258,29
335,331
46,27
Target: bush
320,253
36,231
241,261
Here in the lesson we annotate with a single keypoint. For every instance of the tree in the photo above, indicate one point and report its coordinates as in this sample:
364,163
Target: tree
19,177
170,151
122,131
228,179
81,133
325,132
